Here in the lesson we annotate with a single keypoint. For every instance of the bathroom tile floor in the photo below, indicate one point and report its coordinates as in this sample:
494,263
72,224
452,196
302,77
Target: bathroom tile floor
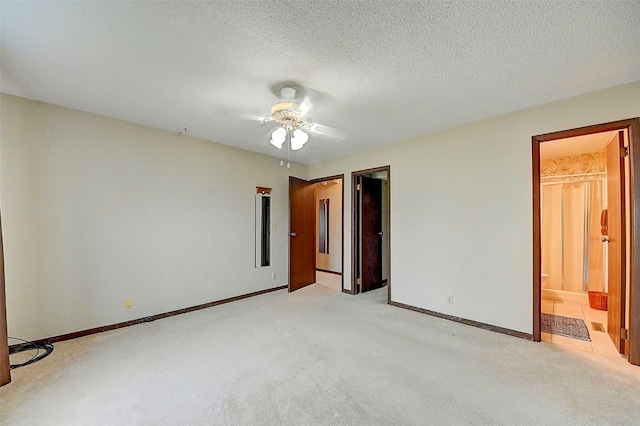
600,341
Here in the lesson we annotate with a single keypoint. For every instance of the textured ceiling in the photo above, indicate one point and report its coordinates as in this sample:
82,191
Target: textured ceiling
395,69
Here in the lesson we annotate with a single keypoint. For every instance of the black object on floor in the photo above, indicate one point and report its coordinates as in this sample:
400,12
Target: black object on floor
29,346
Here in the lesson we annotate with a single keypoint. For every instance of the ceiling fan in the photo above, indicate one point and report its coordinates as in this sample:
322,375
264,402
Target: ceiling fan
290,113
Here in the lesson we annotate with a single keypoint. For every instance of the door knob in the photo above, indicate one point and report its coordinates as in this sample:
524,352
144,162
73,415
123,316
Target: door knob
380,233
293,234
604,238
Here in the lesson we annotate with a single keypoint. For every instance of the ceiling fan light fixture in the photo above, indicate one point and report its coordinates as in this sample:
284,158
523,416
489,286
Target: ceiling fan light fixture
299,139
278,137
302,136
276,144
279,134
289,113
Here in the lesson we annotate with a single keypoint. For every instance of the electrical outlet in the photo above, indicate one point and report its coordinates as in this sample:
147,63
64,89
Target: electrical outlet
273,226
273,276
128,303
450,299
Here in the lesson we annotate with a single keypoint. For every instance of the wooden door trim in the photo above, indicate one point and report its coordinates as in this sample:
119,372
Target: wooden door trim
5,369
617,247
354,227
632,126
634,225
537,244
354,218
324,179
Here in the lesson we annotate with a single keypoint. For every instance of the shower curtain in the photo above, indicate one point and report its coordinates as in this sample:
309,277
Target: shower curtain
571,247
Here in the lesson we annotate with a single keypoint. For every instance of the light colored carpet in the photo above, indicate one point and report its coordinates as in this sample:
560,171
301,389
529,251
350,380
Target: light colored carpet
317,357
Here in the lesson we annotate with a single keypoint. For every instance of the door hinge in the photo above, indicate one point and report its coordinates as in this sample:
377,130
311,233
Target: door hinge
624,152
358,280
358,187
624,333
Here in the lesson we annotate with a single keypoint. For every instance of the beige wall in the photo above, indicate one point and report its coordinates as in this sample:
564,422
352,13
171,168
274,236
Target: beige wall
333,260
461,207
96,210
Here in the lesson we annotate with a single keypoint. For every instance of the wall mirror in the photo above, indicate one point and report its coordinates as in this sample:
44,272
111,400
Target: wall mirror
263,227
323,226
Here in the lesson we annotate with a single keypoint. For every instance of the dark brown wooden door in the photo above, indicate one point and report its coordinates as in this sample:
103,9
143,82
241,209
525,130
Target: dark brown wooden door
371,232
302,241
617,240
5,374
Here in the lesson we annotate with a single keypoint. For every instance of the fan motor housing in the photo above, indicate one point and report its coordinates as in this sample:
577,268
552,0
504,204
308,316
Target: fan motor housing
287,113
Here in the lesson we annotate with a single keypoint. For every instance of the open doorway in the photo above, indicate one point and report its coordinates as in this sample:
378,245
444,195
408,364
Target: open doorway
329,201
314,207
584,209
370,230
574,199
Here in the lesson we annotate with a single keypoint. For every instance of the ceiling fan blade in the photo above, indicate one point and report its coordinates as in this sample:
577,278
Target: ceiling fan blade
305,106
327,131
260,119
317,99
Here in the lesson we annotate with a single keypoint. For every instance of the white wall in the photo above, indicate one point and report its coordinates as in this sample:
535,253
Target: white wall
96,210
333,260
461,207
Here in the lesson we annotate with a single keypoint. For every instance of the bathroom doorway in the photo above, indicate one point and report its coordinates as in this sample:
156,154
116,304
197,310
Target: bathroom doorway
583,210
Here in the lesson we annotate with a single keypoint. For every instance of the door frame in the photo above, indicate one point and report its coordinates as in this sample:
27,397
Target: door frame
325,179
632,126
355,221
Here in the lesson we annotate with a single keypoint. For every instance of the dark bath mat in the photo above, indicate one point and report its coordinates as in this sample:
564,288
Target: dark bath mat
565,326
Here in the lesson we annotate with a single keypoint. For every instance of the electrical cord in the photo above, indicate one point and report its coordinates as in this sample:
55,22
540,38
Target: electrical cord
27,345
